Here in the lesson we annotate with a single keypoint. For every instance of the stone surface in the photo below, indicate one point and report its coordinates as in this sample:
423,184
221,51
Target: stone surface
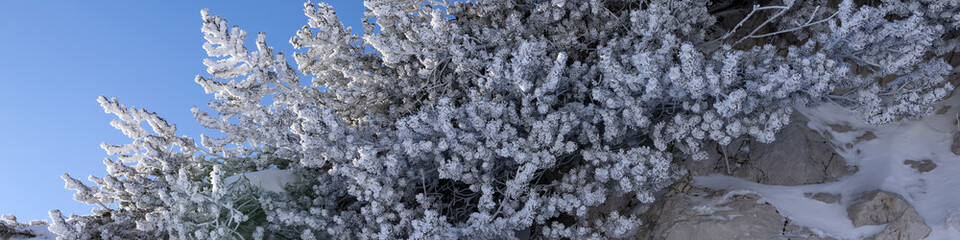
823,197
880,207
875,208
910,226
720,215
865,137
798,156
840,128
944,109
925,165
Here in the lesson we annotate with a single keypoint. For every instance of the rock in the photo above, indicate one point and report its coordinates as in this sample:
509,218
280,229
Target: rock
823,197
944,109
875,208
955,147
865,137
925,165
721,215
908,227
798,156
840,128
880,207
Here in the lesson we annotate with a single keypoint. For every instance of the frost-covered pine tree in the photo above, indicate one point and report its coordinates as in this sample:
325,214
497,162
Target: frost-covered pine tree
499,119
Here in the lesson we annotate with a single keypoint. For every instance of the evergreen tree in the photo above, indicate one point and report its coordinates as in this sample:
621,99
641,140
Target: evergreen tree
499,118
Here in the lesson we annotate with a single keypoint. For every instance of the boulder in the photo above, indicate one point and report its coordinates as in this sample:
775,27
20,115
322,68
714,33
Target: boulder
798,156
880,207
824,197
923,166
720,215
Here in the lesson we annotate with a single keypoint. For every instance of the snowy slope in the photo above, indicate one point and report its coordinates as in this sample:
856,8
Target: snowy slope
935,194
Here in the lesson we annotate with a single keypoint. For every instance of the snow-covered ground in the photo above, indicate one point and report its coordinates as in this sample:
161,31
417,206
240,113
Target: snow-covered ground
935,194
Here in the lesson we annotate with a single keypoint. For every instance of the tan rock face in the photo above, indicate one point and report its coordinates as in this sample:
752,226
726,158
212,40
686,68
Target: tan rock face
880,207
824,197
721,215
742,218
798,156
925,165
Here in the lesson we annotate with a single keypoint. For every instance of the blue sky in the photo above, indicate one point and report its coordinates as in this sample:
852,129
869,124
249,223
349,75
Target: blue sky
59,56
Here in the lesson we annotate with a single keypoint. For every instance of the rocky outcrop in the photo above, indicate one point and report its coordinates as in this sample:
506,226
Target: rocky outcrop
702,214
798,156
824,197
880,207
923,166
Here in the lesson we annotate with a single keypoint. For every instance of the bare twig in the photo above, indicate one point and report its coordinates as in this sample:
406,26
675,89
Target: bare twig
725,159
783,9
807,24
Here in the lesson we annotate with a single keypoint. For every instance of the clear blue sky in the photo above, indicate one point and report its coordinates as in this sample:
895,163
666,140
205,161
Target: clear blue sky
59,56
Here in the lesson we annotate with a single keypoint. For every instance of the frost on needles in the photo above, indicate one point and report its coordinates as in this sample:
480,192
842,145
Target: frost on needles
498,119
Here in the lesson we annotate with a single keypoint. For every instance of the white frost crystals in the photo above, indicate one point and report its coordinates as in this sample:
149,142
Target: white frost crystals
494,119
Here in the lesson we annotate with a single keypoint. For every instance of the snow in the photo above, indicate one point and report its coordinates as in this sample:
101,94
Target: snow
934,194
269,180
